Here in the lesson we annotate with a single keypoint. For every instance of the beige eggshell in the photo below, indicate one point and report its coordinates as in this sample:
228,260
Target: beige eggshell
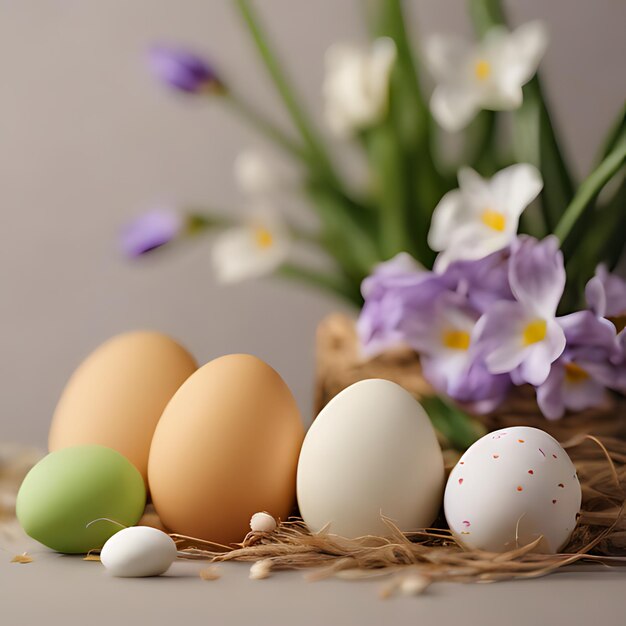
226,447
116,396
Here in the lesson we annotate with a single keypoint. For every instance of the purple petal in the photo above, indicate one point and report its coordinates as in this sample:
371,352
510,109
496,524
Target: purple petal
550,393
583,329
537,274
498,334
595,295
486,280
149,231
182,69
606,293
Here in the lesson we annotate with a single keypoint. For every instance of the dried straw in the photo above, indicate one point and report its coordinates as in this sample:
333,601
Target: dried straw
414,560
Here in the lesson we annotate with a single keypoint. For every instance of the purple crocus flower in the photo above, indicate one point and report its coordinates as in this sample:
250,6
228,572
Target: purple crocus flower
606,293
579,379
396,294
485,280
183,70
150,231
522,337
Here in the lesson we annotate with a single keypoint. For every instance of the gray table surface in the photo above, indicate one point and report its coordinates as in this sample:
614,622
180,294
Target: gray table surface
57,589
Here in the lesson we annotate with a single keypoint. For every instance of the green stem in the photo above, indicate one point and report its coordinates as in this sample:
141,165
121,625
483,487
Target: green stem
284,89
590,188
265,127
329,282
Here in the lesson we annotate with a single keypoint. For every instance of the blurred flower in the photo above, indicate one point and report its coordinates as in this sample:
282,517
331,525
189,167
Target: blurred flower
523,337
579,378
606,293
482,216
183,70
356,86
255,173
254,249
487,75
150,231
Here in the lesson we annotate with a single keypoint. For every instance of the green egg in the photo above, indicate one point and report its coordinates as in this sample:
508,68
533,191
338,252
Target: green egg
70,488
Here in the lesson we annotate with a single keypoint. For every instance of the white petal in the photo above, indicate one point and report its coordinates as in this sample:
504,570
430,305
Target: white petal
529,43
454,106
255,174
536,365
446,216
472,241
446,56
514,188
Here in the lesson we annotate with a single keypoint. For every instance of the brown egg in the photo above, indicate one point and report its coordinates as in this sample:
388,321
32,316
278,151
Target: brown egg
116,396
226,447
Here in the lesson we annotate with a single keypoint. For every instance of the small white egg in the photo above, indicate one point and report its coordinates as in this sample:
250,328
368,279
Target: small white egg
138,551
262,522
511,487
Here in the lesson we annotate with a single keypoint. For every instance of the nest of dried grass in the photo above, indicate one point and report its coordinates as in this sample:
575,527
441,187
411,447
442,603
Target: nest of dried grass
414,560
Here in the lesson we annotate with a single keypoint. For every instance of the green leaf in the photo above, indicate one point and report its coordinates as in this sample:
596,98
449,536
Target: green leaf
286,92
591,187
344,236
456,426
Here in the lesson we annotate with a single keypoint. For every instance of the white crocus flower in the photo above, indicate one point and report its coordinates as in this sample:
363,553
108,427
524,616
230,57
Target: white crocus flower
482,216
356,85
254,249
487,75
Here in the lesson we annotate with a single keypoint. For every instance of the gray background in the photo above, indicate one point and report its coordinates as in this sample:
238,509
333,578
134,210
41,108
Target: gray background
87,140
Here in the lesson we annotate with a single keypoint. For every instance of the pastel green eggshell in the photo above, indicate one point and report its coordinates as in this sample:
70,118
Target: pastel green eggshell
71,487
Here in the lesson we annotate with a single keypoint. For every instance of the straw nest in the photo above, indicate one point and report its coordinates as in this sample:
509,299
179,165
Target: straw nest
413,560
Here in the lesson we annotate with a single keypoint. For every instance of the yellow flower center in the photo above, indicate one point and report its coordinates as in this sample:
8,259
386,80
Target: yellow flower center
456,339
574,373
263,237
534,332
493,219
482,69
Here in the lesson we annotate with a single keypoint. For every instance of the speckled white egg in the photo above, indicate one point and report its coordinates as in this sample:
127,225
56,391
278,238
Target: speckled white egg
511,487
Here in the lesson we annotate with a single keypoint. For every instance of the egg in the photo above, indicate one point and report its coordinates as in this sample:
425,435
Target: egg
225,447
71,488
116,396
372,450
138,551
511,487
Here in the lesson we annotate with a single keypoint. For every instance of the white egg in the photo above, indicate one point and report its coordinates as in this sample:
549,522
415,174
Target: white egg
372,450
138,551
262,522
511,487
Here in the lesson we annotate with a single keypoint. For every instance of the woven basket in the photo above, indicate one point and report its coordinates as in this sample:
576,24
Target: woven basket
339,365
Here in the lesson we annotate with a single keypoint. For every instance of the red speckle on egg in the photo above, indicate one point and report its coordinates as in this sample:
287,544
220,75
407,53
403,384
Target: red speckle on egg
495,456
561,485
553,501
520,488
531,472
460,481
461,462
554,456
466,523
520,441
